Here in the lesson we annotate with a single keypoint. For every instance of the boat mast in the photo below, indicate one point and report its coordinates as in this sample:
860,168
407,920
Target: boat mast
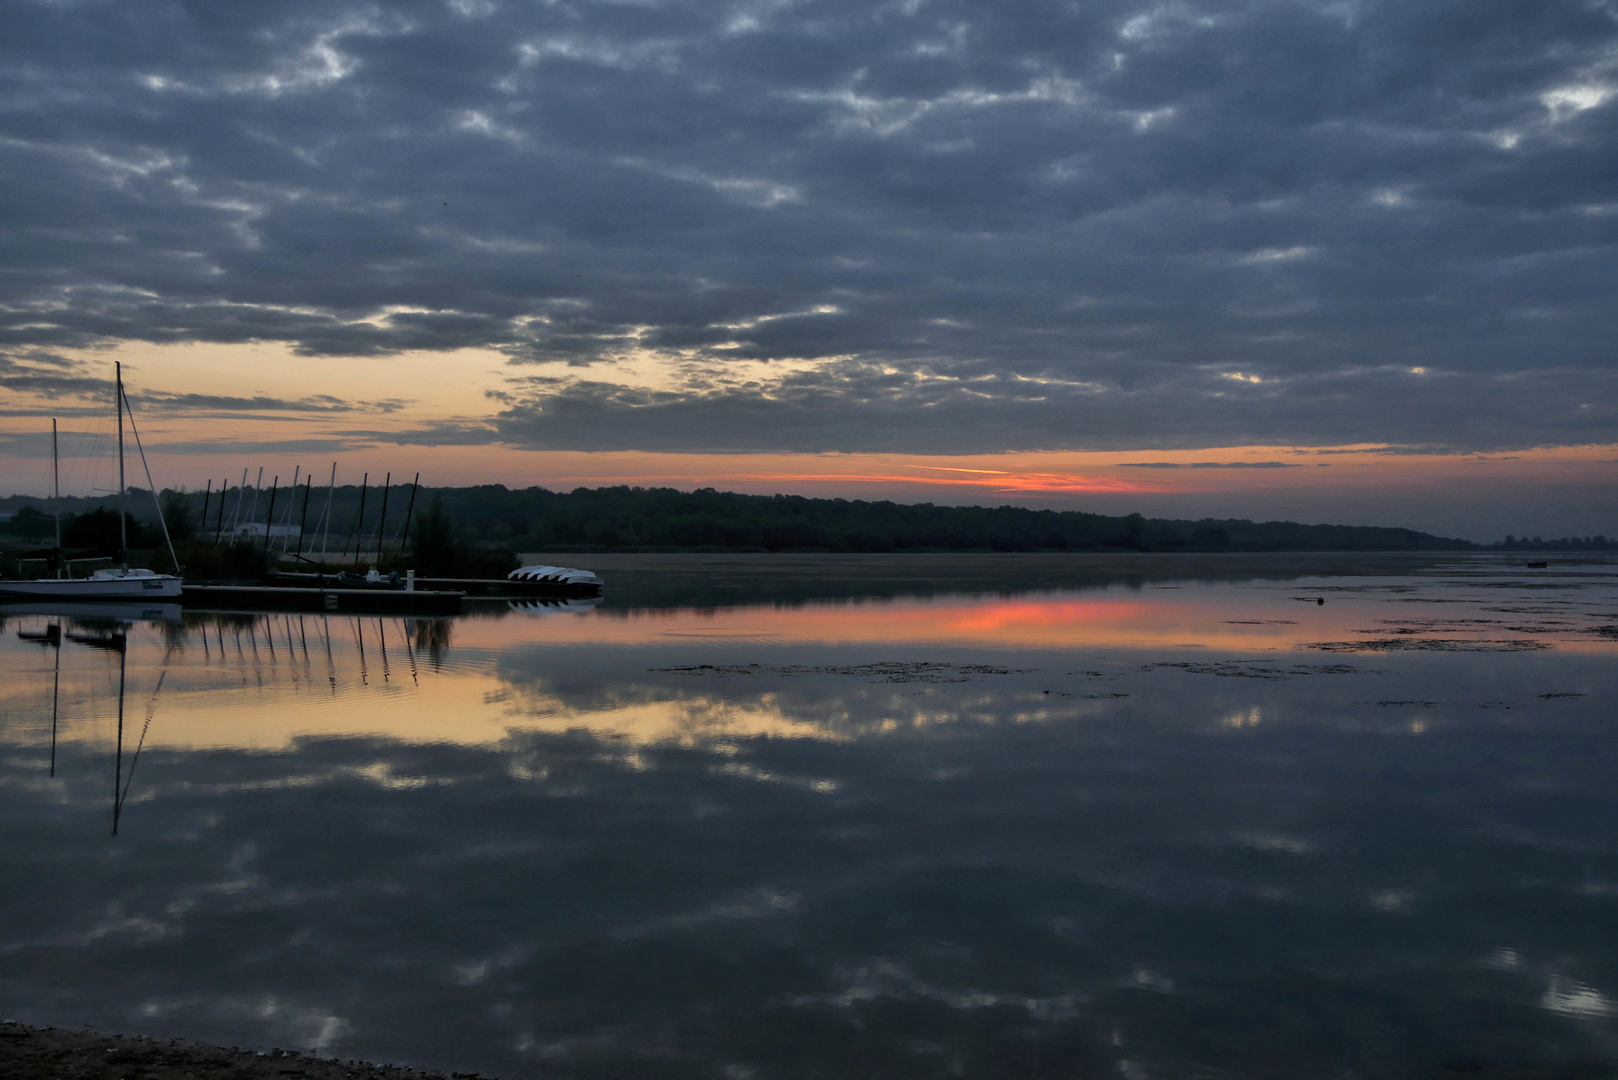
118,402
379,525
325,532
56,498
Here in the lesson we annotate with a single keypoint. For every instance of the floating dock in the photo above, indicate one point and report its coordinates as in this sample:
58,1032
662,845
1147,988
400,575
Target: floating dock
496,587
314,598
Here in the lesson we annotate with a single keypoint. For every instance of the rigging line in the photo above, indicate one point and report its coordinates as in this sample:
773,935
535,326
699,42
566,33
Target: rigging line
87,452
252,511
156,502
151,710
236,511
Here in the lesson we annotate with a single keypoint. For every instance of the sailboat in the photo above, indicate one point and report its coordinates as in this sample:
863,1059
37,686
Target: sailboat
121,582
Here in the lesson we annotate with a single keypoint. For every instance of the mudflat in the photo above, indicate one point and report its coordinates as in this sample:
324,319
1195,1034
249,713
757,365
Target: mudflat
49,1053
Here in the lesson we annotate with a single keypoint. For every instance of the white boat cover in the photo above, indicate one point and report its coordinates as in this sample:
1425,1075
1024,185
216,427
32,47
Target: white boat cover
554,575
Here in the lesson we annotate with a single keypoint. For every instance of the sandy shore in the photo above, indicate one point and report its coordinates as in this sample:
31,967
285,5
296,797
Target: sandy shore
43,1053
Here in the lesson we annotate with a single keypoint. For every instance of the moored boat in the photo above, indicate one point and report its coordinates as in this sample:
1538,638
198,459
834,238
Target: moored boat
121,582
555,575
111,584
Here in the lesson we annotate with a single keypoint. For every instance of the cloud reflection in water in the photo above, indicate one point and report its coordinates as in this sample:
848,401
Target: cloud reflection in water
919,838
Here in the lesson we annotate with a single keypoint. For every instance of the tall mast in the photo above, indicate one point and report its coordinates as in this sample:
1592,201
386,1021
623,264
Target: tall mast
303,522
384,520
409,506
286,519
359,521
56,496
118,402
325,532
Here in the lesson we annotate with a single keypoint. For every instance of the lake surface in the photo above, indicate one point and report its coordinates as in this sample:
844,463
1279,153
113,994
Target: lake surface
896,816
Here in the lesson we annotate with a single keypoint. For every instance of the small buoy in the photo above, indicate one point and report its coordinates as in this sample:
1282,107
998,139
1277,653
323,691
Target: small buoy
1320,600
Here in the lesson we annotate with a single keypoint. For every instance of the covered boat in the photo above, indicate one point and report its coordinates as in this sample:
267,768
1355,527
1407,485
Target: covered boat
555,575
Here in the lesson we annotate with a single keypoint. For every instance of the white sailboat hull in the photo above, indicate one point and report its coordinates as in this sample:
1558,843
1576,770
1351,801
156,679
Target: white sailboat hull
104,585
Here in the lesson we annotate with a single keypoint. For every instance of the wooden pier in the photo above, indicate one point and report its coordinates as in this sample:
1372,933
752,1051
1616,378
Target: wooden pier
315,598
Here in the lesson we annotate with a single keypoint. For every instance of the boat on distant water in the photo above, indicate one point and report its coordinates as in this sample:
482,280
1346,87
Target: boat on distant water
122,582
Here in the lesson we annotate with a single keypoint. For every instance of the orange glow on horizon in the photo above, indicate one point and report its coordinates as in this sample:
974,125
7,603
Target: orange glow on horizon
996,480
383,415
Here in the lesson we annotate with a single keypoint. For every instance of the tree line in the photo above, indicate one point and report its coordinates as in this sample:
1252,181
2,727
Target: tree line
456,522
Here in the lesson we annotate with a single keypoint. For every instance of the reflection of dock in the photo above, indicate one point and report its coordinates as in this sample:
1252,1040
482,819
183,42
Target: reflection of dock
269,643
442,597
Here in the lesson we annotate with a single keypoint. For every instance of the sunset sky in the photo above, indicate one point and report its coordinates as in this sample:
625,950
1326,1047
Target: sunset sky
1329,261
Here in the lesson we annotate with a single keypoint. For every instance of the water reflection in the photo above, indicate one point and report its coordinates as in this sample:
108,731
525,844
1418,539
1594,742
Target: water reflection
1217,829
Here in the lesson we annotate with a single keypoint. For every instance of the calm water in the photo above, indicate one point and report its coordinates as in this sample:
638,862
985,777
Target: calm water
821,817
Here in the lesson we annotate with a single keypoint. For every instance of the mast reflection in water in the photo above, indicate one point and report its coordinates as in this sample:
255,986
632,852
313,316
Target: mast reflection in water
1186,827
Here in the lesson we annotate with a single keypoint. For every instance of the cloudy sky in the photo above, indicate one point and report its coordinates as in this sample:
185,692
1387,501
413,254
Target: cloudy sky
1323,260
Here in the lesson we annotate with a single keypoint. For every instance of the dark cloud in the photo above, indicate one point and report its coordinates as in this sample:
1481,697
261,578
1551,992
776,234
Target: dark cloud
329,445
1081,219
445,434
1211,465
858,406
225,404
48,376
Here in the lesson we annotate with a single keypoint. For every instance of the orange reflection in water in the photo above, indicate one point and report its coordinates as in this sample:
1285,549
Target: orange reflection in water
1178,619
262,682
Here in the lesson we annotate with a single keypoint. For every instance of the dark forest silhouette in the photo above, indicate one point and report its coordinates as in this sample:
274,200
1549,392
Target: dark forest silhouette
451,522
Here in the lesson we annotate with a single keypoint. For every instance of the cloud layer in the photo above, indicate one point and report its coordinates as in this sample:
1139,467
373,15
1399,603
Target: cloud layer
916,226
